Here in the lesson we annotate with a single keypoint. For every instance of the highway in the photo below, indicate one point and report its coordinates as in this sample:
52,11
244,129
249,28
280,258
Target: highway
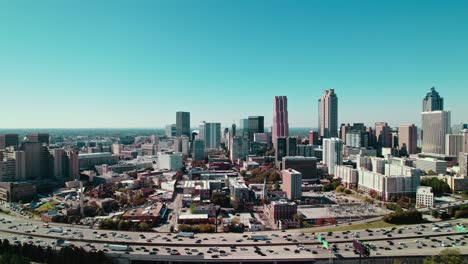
283,245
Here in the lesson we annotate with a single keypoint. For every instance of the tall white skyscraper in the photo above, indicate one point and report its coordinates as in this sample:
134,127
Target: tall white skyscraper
332,153
328,114
435,126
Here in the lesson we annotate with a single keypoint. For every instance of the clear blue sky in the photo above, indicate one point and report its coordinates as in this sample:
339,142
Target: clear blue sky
132,63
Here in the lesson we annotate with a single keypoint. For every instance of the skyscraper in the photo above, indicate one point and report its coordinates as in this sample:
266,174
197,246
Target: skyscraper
432,101
313,137
211,134
435,125
255,125
383,135
344,128
454,144
8,140
408,139
281,148
332,153
291,146
42,138
198,150
280,118
328,114
183,124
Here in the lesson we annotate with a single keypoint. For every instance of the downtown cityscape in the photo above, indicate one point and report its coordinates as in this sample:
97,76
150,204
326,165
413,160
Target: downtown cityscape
233,132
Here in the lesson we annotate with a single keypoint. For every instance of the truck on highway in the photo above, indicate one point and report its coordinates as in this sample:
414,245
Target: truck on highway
55,230
116,247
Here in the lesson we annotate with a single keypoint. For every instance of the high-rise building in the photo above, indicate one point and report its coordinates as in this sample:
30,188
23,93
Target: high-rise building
313,138
280,118
198,150
328,114
432,101
332,153
435,126
344,129
244,127
170,130
73,164
459,128
239,148
281,148
183,124
255,125
211,134
291,145
454,144
307,166
42,138
465,141
383,134
58,162
8,140
292,184
408,139
357,139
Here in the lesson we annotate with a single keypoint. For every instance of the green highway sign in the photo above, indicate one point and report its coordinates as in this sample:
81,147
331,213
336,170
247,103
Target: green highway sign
319,238
460,229
325,244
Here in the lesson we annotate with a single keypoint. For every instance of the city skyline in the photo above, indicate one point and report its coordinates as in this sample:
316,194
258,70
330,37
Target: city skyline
63,70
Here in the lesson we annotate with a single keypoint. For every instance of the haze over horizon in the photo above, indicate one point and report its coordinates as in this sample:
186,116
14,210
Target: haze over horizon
91,64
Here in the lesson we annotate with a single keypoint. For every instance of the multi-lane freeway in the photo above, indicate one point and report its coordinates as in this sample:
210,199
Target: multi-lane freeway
415,240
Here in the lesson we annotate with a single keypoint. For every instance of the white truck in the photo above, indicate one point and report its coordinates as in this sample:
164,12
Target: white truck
116,247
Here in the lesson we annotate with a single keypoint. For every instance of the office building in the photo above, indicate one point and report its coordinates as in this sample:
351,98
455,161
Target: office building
408,139
255,125
239,190
239,148
313,138
148,149
306,150
88,161
211,134
42,138
263,138
291,145
182,124
281,148
170,161
17,158
463,163
280,210
170,130
292,184
383,135
332,153
357,139
198,150
280,118
454,144
244,127
8,140
307,166
431,165
344,129
432,101
435,126
328,114
424,197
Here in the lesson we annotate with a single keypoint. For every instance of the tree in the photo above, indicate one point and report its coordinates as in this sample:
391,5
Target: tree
439,186
435,214
431,172
447,256
144,227
340,189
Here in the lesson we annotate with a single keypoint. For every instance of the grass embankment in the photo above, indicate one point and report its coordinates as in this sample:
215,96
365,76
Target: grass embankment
370,225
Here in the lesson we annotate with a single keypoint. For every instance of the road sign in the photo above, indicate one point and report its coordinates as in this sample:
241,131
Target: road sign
460,229
319,238
325,244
